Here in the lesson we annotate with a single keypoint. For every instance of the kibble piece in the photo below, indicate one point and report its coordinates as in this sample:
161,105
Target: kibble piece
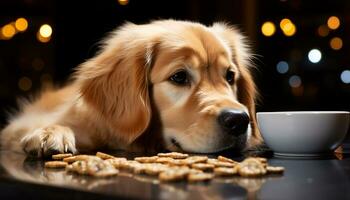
199,177
61,156
155,169
116,162
128,165
225,171
80,167
104,156
203,166
151,159
175,155
172,175
81,158
195,159
275,169
55,164
224,159
219,163
251,167
164,160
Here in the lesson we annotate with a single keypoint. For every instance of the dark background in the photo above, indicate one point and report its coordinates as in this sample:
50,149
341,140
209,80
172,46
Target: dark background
79,25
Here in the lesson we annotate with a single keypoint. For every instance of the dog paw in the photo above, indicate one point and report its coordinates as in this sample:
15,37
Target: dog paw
44,142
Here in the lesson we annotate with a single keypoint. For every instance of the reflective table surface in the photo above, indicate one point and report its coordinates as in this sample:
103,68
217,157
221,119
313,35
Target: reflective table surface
327,178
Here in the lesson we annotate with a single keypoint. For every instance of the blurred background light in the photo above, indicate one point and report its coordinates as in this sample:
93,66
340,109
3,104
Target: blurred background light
333,22
323,30
123,2
45,30
44,33
336,43
282,67
268,29
314,55
8,31
21,24
294,81
25,83
345,76
288,27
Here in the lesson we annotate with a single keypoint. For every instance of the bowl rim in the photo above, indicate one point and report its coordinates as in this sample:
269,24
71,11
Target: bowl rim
302,112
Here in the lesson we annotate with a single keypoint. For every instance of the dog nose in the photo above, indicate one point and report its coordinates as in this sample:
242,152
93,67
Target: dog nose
233,121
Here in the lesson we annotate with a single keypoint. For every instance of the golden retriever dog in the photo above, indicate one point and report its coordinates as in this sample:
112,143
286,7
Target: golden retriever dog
168,85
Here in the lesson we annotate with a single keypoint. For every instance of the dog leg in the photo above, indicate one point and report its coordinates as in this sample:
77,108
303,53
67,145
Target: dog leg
44,142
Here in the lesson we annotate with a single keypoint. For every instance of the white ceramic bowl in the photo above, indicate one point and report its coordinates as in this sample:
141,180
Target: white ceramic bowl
303,133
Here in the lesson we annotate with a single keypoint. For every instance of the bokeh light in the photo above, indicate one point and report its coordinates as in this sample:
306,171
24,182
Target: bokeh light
25,83
288,27
345,76
21,24
294,81
323,30
123,2
8,31
314,55
336,43
333,22
268,29
45,31
282,67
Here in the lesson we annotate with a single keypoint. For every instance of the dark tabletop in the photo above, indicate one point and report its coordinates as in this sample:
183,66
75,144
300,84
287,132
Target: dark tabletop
327,178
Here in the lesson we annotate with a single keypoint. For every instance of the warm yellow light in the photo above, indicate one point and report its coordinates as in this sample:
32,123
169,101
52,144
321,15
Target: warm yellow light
284,22
25,83
21,24
323,31
123,2
42,39
8,31
290,30
333,22
336,43
287,26
45,31
268,29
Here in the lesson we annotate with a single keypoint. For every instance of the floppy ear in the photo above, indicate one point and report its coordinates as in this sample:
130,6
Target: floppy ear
115,82
241,56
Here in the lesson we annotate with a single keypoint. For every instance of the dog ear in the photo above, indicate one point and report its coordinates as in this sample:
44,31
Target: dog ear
241,56
115,82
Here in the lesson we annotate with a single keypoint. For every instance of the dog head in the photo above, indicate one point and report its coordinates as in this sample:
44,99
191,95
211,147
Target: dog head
199,78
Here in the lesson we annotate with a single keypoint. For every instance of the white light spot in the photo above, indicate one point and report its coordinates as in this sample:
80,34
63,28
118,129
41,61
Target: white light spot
295,81
315,55
282,67
345,76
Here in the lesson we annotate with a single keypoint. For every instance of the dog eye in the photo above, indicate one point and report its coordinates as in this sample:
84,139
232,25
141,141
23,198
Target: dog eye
230,77
180,78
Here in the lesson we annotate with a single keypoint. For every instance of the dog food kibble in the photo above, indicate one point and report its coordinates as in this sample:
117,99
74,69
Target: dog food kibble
104,156
167,167
55,164
175,155
146,159
224,159
203,166
225,171
61,156
251,167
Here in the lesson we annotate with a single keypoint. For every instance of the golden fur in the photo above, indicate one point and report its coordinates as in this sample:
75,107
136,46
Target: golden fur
123,99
